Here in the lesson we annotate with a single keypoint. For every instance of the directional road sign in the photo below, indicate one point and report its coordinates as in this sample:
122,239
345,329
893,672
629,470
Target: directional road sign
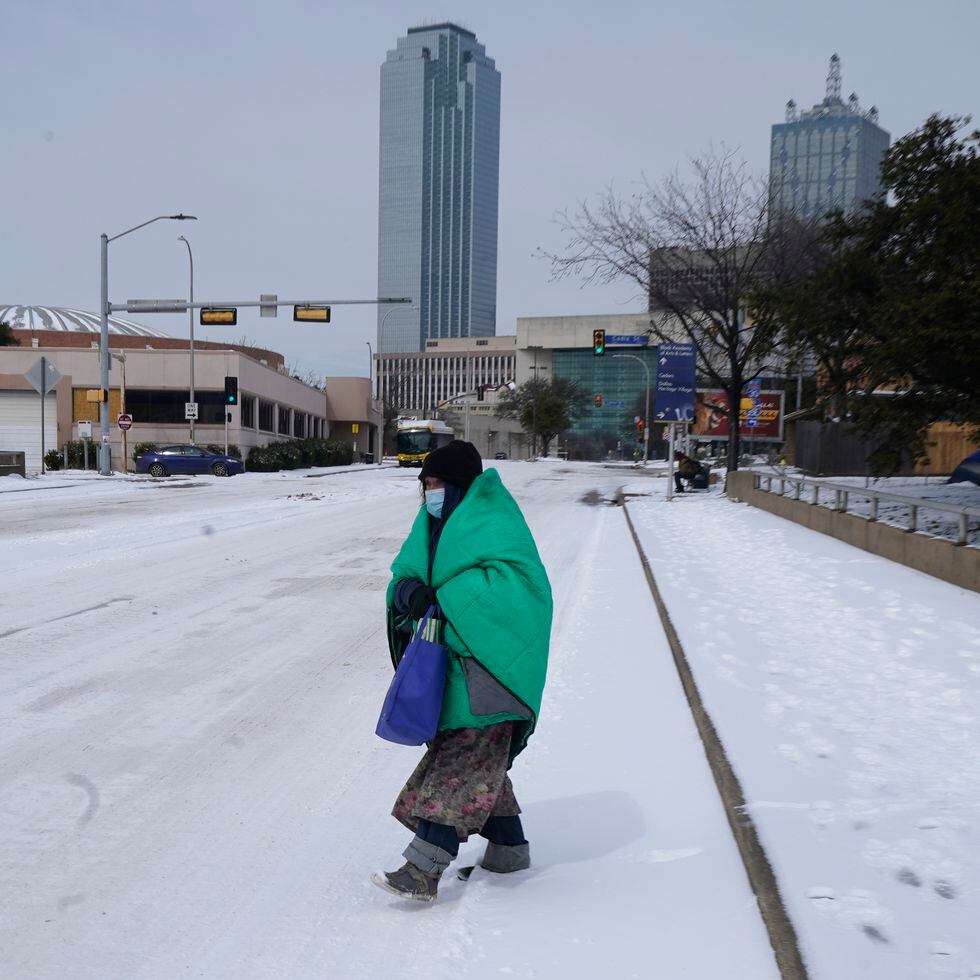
190,411
675,383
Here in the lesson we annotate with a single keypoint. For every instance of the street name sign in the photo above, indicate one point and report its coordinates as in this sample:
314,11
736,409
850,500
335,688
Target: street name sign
626,340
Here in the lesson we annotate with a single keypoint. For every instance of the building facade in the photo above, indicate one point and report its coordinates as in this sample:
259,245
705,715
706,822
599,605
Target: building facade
826,158
438,188
419,382
149,380
561,347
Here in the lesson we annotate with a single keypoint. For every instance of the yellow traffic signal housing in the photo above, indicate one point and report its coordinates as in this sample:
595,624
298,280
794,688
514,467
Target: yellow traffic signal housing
97,395
312,314
225,317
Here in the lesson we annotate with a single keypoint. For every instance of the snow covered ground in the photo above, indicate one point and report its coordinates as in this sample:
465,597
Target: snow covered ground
846,689
190,784
191,669
921,489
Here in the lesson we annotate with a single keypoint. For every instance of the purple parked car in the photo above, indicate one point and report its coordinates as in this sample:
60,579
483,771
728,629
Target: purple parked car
174,460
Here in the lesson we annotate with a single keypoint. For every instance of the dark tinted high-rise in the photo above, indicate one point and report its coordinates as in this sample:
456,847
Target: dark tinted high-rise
828,157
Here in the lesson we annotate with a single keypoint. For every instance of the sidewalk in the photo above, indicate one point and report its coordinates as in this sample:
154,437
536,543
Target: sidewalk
639,866
846,690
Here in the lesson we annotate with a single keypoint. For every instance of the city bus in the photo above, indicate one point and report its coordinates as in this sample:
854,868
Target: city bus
418,437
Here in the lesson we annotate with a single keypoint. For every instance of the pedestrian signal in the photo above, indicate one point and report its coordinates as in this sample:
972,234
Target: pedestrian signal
598,342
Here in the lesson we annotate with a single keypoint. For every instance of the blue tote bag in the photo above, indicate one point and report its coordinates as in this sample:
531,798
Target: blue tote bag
410,714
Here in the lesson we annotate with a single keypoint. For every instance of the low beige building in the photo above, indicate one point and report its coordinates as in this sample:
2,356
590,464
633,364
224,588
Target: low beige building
149,380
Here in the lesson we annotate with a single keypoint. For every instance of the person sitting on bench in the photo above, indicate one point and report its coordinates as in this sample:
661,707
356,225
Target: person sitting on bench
688,469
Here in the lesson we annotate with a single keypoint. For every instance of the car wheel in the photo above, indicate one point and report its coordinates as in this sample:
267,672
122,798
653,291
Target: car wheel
219,469
157,469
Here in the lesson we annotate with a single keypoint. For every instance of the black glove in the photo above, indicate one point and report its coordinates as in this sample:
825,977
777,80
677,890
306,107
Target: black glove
423,597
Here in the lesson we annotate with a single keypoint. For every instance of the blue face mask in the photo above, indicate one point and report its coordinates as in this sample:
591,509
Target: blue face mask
434,500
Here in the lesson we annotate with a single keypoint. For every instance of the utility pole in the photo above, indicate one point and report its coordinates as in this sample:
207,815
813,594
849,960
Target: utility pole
190,321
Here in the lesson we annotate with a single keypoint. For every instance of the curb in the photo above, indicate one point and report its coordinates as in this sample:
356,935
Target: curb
782,934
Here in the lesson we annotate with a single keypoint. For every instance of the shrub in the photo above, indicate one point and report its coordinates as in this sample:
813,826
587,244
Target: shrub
143,447
295,454
233,450
53,460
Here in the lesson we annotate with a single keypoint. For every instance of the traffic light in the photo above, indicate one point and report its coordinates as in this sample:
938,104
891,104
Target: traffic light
311,314
639,426
225,317
598,401
231,391
598,342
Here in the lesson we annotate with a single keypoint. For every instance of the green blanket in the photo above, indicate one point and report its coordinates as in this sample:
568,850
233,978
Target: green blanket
496,600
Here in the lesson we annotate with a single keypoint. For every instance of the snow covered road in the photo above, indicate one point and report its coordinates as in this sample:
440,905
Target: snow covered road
190,673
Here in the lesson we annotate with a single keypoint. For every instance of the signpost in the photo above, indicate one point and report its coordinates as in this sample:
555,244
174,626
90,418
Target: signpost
43,376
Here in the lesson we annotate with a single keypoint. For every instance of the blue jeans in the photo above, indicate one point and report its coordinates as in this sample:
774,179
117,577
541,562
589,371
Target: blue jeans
498,830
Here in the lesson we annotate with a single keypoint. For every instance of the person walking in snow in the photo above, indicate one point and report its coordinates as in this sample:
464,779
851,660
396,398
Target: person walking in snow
471,554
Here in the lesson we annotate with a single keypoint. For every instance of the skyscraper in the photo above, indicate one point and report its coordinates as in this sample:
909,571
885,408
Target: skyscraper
828,157
440,156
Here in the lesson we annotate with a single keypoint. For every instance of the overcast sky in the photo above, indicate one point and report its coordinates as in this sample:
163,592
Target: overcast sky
261,118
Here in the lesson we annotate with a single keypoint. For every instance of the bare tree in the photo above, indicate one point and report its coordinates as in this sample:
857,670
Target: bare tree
696,247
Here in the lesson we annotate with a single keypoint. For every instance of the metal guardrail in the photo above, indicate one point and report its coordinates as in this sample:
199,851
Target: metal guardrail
843,492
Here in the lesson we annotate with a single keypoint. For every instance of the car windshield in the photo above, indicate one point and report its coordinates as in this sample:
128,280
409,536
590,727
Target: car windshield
413,441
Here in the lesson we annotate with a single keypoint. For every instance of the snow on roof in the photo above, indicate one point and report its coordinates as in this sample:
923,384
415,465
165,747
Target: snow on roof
70,321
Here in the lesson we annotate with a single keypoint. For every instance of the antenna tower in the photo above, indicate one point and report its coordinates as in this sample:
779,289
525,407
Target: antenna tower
833,80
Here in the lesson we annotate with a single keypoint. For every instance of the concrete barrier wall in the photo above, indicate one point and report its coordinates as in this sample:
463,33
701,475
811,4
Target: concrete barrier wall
952,563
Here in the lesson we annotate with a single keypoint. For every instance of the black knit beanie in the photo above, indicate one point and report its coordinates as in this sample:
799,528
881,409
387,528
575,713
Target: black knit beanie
457,462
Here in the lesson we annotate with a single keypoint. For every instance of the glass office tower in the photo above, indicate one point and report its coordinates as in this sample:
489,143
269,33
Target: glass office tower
440,156
828,157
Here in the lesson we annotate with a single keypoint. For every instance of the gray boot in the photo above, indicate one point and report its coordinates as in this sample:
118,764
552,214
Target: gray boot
418,878
504,858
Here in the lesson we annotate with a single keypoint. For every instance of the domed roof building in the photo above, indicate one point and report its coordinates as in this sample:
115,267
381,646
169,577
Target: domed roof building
36,318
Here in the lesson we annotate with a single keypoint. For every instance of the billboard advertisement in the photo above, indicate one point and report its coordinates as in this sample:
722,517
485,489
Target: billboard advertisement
760,416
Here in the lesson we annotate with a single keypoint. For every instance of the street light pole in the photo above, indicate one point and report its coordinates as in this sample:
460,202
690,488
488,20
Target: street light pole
190,321
104,461
646,418
381,328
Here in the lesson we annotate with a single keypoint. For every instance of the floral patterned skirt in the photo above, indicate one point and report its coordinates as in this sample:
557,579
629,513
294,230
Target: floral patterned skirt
461,781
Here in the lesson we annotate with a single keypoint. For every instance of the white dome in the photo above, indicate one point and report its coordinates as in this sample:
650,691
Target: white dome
70,321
